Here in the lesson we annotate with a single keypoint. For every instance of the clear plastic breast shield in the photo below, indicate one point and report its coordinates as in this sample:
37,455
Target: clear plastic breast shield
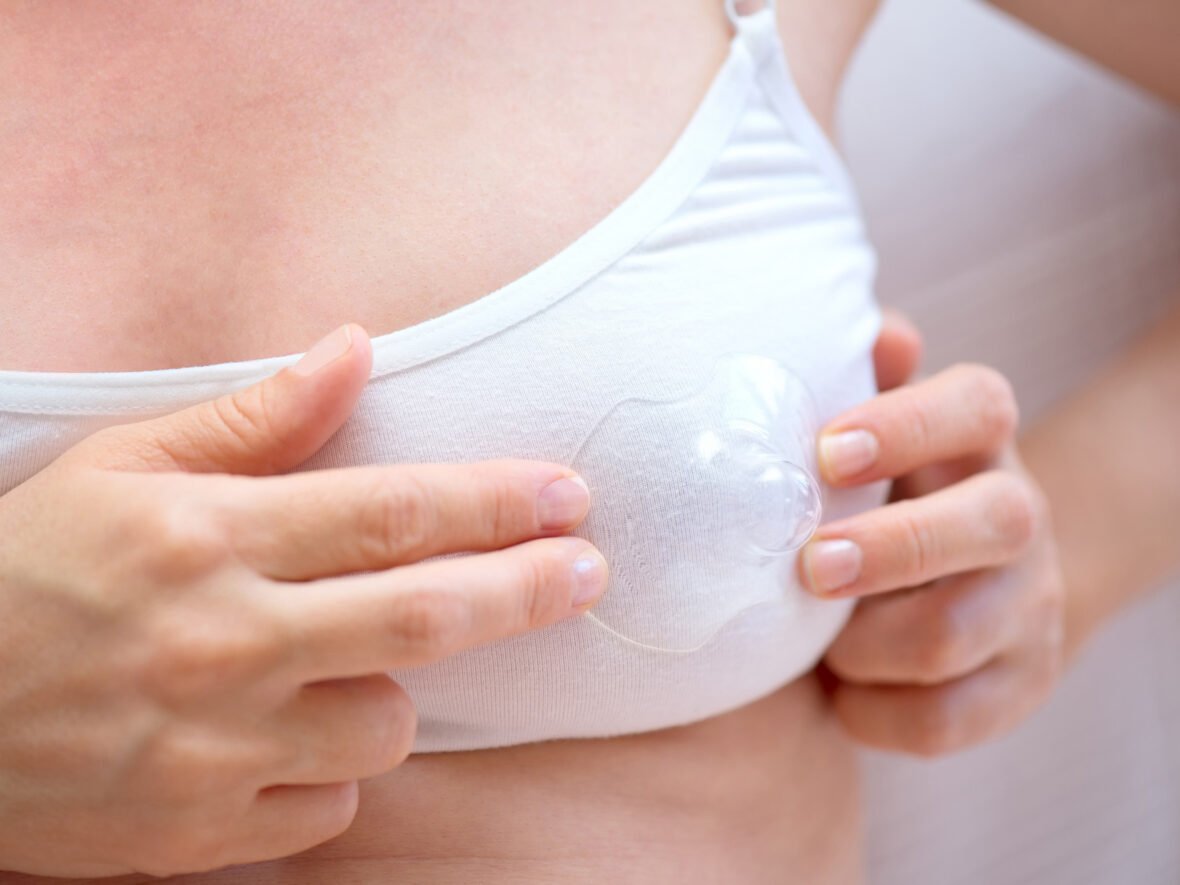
700,502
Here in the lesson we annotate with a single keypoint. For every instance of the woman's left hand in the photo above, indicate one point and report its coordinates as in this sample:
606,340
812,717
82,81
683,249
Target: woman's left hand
958,632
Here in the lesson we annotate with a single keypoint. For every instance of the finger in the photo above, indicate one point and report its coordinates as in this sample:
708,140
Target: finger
287,819
930,634
964,410
986,520
933,720
336,521
344,730
932,477
268,427
280,821
898,350
419,613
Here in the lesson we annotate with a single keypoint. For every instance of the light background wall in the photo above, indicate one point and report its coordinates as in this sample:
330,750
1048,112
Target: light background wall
1027,211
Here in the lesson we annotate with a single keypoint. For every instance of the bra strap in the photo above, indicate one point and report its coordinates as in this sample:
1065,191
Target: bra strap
735,18
758,30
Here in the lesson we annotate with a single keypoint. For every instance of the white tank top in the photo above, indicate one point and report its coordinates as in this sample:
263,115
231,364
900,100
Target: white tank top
747,237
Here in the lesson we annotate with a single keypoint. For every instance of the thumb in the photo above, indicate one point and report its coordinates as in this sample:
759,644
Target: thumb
269,427
898,350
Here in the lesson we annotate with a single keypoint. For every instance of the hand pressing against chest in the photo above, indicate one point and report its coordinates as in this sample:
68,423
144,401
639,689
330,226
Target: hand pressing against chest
957,635
194,646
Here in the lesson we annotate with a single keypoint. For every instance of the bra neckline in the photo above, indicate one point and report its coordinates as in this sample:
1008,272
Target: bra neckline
656,198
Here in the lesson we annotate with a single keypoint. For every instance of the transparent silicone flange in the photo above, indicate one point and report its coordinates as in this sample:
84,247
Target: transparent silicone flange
700,502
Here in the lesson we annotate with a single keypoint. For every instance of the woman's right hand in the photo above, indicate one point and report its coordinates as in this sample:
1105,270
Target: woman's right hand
194,646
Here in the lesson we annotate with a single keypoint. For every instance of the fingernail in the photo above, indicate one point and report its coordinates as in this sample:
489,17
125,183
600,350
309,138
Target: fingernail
831,565
589,577
844,455
562,503
326,350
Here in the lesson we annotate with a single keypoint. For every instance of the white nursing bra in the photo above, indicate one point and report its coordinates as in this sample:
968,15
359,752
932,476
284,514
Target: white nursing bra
746,240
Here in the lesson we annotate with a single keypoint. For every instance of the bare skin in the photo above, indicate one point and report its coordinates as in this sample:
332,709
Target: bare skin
174,196
201,222
1116,529
187,139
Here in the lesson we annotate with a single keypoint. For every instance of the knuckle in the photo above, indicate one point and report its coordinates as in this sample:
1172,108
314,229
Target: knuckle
177,540
506,512
917,545
285,752
430,623
914,413
937,729
194,656
1012,511
948,645
341,804
245,416
544,585
993,399
397,520
178,767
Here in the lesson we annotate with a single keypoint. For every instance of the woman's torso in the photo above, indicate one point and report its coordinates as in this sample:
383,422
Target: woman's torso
264,249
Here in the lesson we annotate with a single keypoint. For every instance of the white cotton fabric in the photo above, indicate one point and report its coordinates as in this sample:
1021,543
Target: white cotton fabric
747,237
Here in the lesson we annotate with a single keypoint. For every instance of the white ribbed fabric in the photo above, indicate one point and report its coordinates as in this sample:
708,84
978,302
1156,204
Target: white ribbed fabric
746,237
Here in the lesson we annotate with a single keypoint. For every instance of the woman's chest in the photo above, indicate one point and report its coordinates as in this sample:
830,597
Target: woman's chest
231,187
